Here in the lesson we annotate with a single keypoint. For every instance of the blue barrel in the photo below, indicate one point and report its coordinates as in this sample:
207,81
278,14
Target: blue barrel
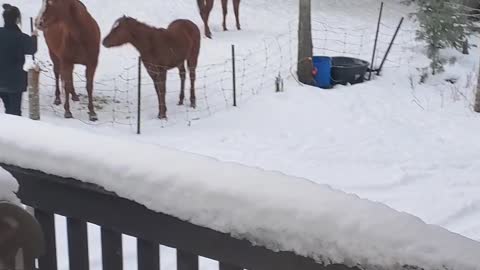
323,67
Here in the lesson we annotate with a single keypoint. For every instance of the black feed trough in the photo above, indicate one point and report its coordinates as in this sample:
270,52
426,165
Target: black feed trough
347,70
329,71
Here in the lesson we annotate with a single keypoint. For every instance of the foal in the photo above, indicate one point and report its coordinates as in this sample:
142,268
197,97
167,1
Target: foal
161,50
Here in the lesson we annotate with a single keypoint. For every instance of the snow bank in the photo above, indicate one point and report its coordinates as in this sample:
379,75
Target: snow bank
267,208
8,187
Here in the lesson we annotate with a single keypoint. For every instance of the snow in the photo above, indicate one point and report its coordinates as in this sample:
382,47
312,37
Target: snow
286,213
8,187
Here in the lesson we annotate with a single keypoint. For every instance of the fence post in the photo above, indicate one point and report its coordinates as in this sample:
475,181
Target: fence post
31,30
390,47
376,40
139,98
305,43
234,76
33,93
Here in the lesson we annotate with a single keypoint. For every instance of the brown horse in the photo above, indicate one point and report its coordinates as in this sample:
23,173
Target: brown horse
18,231
73,37
161,50
206,6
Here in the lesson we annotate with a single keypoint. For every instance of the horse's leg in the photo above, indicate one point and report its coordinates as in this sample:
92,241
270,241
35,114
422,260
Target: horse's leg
90,74
160,85
192,66
225,11
74,95
236,7
205,16
183,76
67,81
56,72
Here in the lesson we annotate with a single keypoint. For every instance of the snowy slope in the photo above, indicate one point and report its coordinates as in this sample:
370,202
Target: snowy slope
293,215
413,147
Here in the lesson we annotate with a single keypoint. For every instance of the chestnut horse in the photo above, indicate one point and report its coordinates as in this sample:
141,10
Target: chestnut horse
73,37
206,6
161,50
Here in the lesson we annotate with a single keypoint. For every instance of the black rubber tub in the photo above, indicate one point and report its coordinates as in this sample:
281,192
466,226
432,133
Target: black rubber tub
347,70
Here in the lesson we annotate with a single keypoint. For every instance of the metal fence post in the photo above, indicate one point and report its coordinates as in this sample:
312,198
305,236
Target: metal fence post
376,40
139,98
234,77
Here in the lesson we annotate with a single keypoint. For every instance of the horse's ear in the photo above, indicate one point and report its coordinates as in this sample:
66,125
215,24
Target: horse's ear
6,6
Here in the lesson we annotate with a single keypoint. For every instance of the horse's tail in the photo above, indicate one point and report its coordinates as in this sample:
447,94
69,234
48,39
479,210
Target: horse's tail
201,5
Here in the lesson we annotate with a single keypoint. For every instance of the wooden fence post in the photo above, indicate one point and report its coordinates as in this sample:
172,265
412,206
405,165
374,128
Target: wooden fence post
33,93
305,43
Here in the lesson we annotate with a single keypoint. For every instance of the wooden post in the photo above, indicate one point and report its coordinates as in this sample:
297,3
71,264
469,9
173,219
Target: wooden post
305,43
33,93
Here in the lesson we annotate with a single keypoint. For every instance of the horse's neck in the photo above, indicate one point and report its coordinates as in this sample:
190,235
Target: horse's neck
142,37
77,21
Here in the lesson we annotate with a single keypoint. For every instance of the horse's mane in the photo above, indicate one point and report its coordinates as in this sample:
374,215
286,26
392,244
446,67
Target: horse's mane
82,4
144,25
201,4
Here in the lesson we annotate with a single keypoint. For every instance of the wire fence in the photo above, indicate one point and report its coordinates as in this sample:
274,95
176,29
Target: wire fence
116,98
358,42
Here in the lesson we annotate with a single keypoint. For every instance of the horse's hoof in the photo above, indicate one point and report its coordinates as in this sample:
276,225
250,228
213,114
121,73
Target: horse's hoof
209,35
193,106
75,98
162,117
57,102
68,115
238,27
180,103
93,117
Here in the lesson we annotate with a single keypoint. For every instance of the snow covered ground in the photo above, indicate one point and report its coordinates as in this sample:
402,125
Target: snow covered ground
413,147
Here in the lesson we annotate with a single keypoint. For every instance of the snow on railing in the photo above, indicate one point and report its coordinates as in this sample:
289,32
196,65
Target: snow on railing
209,208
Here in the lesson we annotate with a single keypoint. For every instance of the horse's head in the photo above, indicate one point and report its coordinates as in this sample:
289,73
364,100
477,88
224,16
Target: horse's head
120,33
51,12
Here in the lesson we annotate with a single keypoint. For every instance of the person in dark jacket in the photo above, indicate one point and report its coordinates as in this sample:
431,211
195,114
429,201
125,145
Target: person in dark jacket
14,45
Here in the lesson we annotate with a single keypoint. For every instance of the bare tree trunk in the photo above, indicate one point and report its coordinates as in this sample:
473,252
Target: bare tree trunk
477,96
465,47
305,44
